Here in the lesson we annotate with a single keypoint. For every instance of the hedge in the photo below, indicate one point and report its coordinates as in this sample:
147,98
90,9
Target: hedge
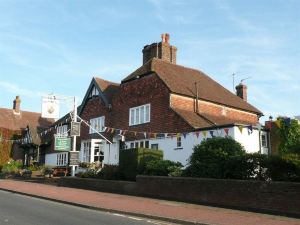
132,161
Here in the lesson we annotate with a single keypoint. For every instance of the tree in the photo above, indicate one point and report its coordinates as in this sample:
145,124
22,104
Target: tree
289,134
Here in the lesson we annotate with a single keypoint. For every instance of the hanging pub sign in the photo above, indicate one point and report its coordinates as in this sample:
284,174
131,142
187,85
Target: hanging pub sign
62,143
73,158
50,107
75,129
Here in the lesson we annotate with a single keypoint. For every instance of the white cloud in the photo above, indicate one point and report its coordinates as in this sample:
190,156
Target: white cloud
17,90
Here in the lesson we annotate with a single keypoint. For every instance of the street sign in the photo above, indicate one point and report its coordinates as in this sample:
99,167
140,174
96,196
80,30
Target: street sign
62,144
73,158
75,129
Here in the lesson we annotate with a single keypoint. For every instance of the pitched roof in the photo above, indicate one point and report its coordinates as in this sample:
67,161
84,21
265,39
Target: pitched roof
203,120
181,80
12,121
108,88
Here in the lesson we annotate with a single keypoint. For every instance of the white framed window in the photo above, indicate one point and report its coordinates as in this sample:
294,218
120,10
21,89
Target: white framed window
94,92
139,115
179,144
264,140
86,151
97,124
62,130
154,146
61,159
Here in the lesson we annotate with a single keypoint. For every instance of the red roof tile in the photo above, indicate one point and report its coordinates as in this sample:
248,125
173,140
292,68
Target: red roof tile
181,80
12,121
107,87
203,120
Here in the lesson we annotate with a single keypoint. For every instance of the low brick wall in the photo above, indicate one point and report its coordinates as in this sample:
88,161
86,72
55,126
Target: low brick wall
274,197
113,186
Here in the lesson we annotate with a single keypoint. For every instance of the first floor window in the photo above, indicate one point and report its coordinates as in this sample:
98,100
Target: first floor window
139,115
62,130
97,124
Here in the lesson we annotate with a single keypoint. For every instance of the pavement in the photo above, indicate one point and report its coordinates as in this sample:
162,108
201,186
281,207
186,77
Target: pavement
171,211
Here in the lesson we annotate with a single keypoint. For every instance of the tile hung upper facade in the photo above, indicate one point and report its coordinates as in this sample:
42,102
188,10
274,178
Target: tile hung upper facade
161,97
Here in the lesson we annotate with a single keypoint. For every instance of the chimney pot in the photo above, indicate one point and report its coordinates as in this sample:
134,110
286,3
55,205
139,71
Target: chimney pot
162,50
16,105
241,91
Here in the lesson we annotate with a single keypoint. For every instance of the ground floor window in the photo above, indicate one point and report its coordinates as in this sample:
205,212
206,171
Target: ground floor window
264,140
154,146
138,144
61,159
86,151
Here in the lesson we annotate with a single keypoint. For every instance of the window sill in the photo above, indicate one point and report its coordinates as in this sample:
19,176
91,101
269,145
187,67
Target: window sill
178,148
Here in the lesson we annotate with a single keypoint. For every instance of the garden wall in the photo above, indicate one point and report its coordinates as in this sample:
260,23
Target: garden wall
273,197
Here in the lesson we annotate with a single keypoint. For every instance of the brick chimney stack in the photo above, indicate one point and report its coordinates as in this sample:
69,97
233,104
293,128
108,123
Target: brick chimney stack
241,91
162,50
16,105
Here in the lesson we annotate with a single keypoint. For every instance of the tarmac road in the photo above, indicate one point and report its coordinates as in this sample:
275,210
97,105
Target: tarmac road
17,209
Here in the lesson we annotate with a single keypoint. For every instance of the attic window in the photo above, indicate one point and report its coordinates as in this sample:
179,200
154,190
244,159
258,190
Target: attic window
94,92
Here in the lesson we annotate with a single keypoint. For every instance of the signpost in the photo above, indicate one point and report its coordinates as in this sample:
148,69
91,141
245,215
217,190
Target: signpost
74,158
75,129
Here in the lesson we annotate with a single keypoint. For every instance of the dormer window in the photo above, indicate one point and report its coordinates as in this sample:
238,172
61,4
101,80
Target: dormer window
94,92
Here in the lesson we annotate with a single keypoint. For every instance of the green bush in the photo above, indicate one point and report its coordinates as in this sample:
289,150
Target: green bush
209,157
133,161
12,167
281,169
110,172
246,167
162,168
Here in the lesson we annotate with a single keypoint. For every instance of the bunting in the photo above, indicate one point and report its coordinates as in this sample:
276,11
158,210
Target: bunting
240,128
212,133
204,133
197,134
250,129
226,131
278,123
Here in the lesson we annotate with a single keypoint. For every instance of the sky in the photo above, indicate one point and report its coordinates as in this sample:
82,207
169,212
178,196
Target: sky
57,46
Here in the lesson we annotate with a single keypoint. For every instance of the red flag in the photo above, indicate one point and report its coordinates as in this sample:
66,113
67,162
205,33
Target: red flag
226,130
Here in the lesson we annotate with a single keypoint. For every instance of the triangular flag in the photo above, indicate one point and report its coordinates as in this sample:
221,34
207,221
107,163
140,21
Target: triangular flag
154,135
211,133
197,134
178,135
278,123
250,129
135,133
112,130
204,133
145,134
287,122
240,128
184,135
226,130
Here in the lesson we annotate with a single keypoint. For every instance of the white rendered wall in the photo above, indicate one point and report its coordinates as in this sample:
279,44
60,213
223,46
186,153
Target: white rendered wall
250,141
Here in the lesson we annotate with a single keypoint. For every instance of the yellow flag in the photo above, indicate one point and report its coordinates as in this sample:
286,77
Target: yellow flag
178,135
240,128
204,133
278,123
